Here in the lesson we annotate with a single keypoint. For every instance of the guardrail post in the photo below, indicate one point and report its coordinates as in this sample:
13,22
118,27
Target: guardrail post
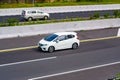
118,32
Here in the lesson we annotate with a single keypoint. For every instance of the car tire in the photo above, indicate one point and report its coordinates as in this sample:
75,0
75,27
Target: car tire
39,48
75,46
51,49
46,17
30,19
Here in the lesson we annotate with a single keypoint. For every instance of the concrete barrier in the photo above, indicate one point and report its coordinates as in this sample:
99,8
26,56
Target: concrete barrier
61,9
118,32
29,30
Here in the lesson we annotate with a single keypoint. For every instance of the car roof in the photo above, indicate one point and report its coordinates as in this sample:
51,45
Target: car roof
31,10
65,33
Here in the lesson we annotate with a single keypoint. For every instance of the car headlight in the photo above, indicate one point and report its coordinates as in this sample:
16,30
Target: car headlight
42,44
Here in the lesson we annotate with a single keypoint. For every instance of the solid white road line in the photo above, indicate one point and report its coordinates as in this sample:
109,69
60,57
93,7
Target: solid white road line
29,61
78,70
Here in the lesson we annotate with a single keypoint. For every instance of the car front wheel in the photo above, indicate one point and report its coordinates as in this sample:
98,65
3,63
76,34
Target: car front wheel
51,49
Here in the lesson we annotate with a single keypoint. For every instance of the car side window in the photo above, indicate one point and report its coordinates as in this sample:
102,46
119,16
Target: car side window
69,36
61,38
39,12
31,12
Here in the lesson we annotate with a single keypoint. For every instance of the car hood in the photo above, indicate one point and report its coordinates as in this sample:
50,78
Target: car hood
44,42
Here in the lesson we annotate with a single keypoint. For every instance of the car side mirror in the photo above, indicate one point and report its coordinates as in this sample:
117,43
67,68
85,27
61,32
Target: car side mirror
56,40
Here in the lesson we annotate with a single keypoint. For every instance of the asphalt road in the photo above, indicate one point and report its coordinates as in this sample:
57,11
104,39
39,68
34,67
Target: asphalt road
102,73
63,15
33,40
89,54
32,63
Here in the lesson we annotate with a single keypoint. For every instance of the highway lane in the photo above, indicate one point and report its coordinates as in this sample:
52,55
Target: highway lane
89,54
63,15
27,54
33,40
102,73
30,54
84,14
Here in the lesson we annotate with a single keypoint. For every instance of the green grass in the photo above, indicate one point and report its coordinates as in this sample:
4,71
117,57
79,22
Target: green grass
15,5
74,3
14,22
21,5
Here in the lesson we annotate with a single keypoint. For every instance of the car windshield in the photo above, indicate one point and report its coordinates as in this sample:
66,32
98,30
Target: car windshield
23,12
50,37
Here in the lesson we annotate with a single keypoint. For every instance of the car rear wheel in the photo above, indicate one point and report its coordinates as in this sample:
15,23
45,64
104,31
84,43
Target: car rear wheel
51,49
30,19
75,46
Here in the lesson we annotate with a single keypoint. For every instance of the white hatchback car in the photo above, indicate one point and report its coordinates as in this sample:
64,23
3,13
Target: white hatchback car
58,41
34,14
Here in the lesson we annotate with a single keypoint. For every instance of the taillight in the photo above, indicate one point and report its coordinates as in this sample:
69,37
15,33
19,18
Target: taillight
78,37
23,13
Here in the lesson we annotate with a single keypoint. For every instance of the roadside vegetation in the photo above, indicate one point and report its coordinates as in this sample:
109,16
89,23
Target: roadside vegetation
96,16
78,2
44,3
116,77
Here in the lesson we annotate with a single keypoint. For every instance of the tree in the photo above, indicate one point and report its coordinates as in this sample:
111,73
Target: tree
17,1
78,0
95,0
